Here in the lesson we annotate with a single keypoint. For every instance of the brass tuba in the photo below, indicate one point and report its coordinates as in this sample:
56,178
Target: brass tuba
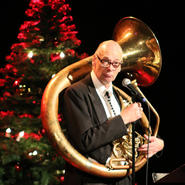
142,63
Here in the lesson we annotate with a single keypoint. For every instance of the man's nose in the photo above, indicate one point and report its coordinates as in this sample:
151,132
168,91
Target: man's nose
110,67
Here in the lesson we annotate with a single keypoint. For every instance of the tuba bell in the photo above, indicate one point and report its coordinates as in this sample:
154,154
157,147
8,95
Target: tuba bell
142,63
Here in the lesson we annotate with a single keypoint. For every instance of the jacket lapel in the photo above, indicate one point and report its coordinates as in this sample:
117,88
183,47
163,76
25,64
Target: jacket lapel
96,102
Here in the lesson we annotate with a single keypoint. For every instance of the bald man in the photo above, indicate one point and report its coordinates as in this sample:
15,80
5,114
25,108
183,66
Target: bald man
94,118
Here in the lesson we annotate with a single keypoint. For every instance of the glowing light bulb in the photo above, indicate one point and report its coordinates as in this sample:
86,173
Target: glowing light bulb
30,154
35,152
62,54
30,54
16,82
52,75
8,130
20,135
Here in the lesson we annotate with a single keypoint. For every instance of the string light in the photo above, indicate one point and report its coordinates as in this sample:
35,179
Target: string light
62,54
16,82
20,135
30,54
8,132
34,153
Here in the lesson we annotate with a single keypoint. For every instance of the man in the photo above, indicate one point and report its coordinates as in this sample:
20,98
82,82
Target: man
93,122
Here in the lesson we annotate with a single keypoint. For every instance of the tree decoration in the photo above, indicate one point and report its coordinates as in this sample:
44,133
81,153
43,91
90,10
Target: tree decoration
47,43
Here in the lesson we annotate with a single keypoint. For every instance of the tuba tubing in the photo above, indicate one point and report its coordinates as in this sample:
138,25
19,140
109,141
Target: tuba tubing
143,67
49,115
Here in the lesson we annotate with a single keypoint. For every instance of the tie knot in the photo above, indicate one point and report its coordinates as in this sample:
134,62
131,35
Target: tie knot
107,94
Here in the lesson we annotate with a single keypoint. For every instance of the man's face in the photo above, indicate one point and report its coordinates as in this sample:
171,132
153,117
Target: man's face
106,74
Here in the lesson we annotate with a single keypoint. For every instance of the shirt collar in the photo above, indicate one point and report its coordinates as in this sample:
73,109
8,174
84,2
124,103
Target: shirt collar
99,86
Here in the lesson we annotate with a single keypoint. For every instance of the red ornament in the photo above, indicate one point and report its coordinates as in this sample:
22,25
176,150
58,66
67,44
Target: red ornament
43,131
2,82
55,57
6,94
70,52
16,83
17,167
34,102
6,113
62,179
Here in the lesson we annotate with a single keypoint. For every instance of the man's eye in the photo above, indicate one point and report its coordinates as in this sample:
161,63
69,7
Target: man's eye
105,61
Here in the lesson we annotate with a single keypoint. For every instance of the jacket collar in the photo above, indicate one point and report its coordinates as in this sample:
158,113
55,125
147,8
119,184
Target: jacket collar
96,102
97,105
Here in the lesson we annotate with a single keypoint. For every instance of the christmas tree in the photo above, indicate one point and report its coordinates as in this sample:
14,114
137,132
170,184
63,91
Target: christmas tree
47,43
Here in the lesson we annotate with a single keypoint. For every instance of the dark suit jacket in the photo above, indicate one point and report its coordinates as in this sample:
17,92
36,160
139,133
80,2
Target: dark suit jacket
89,130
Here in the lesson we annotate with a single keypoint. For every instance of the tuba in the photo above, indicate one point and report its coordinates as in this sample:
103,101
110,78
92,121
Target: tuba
142,64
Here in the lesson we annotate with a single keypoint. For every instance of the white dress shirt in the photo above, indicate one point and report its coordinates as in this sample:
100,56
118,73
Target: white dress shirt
101,90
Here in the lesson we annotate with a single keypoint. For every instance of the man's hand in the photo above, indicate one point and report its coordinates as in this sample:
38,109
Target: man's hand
132,113
155,145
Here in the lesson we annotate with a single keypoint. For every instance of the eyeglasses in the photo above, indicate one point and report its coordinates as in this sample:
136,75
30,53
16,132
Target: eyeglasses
107,63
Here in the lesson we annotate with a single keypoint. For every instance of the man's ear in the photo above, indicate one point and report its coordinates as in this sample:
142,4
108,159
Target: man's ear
93,60
119,68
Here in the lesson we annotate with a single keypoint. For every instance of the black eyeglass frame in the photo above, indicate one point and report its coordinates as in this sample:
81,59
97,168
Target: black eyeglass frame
107,63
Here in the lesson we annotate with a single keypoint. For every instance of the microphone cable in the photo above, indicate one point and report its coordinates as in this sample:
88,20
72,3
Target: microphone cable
148,141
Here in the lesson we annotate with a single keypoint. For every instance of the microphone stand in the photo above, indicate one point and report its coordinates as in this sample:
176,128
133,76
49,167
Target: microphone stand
133,153
134,99
135,95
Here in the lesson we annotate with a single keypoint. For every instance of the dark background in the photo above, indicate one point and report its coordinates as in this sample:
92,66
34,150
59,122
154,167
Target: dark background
95,21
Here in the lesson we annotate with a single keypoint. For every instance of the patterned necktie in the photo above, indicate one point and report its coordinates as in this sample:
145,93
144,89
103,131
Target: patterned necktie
109,101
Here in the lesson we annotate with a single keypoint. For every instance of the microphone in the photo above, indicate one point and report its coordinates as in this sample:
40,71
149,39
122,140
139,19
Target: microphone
127,83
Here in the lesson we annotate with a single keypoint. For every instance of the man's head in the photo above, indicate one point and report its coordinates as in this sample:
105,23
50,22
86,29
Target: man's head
106,61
